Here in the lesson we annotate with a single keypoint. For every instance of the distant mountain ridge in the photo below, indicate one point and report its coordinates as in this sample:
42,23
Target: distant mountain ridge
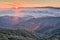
7,21
32,23
48,7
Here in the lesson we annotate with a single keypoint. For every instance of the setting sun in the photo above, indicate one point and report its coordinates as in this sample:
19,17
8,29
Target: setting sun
16,7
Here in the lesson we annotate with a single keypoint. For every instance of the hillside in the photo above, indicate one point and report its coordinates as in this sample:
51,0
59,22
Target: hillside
17,34
22,34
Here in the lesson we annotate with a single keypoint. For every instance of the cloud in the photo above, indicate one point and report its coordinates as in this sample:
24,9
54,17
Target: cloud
36,12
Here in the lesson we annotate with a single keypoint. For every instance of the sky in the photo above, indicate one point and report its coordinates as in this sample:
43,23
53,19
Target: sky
28,3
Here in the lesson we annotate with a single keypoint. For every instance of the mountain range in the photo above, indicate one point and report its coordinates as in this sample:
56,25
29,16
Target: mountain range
31,22
45,26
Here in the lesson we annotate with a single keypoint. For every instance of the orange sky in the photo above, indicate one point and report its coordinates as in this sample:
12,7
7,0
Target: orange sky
9,5
28,3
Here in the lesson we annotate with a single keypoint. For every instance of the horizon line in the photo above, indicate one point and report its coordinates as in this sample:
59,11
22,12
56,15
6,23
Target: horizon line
35,7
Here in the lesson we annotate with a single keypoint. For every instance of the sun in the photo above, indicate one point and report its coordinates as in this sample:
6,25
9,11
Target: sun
16,7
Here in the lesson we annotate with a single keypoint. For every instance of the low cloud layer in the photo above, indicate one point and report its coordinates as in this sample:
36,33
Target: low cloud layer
36,12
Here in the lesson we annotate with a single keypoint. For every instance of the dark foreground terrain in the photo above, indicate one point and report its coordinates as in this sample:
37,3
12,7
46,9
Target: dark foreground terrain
22,34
